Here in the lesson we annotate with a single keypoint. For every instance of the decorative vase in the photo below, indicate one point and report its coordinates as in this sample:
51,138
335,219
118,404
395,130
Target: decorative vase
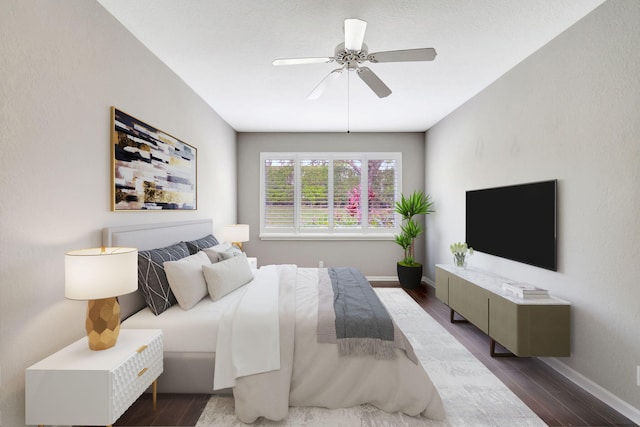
460,260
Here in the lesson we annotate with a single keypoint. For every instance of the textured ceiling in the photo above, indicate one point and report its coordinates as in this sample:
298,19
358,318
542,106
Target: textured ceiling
223,49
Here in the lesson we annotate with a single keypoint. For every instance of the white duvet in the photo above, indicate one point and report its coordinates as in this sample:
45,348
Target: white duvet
312,374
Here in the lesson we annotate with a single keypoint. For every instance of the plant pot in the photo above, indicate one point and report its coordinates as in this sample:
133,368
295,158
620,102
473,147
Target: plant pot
410,276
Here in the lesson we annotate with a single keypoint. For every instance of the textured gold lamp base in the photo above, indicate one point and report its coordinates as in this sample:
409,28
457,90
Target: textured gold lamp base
103,323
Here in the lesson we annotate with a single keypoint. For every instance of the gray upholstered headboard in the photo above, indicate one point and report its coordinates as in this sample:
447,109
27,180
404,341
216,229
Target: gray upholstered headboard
151,236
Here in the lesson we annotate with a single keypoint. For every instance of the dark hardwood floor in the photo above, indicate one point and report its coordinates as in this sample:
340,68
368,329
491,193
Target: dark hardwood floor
554,398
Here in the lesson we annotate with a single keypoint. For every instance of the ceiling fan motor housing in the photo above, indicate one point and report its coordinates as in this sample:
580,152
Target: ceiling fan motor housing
351,58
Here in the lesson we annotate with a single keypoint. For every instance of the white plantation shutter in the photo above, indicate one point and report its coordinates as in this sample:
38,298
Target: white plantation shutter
382,193
329,195
346,194
314,197
279,190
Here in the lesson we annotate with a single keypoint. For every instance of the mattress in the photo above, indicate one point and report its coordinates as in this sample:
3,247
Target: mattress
194,330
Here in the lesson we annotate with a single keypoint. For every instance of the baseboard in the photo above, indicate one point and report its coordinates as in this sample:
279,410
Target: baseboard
395,279
601,393
382,278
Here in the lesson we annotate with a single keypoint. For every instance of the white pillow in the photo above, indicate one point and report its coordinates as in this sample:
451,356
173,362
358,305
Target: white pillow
212,254
186,279
224,251
227,276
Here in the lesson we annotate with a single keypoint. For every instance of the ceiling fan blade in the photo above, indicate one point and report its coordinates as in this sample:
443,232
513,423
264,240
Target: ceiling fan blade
296,61
373,82
324,83
354,33
424,54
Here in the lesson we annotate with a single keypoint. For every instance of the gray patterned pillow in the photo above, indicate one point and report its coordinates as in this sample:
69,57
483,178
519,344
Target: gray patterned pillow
152,278
206,242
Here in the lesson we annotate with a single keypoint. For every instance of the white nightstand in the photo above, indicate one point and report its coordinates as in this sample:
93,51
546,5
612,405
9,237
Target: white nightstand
253,261
79,386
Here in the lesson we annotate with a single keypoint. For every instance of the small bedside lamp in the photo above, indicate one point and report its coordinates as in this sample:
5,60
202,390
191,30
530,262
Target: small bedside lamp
100,275
236,234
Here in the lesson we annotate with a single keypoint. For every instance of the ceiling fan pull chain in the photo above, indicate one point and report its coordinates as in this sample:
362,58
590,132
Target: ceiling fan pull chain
348,102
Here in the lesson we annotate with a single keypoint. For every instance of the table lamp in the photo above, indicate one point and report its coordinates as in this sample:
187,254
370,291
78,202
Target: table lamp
100,275
236,234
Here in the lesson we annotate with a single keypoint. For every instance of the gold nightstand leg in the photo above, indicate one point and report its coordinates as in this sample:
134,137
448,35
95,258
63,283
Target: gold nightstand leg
154,392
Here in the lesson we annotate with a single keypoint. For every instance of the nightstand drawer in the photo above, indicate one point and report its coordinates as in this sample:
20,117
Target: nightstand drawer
135,375
131,368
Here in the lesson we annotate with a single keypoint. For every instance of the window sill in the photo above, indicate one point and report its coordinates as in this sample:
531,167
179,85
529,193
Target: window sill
321,236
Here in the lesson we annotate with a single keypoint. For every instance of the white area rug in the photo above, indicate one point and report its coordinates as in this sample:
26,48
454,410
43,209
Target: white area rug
472,395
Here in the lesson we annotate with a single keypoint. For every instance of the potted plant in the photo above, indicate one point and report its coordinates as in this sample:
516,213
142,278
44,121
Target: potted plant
417,203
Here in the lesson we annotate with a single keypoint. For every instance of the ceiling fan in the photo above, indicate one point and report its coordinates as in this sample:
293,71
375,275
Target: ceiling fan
354,52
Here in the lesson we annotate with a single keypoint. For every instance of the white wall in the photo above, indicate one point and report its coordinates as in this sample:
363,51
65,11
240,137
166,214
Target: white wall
373,258
62,65
570,112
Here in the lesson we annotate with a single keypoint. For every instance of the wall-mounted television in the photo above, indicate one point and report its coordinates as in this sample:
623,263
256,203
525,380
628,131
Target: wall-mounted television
517,222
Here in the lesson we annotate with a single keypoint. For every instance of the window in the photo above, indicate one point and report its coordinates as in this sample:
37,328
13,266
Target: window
329,195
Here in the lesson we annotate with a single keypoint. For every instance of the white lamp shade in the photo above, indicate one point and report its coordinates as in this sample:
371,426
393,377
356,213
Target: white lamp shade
100,273
236,233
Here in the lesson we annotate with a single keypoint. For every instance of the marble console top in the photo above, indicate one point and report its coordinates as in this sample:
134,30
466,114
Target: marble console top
493,283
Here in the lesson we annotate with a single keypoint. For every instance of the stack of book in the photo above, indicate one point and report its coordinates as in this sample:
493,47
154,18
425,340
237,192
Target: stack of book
524,290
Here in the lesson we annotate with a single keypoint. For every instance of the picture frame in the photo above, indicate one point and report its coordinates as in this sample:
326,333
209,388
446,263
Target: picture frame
151,169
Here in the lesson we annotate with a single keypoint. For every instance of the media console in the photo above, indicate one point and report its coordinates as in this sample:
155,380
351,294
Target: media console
524,326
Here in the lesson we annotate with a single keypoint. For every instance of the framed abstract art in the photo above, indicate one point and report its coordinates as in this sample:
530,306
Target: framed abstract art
152,170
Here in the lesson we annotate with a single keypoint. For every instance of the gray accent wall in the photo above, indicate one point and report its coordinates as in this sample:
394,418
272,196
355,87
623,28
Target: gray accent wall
373,258
571,112
63,64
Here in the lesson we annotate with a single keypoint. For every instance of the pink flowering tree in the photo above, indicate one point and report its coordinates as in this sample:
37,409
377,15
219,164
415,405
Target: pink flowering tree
353,205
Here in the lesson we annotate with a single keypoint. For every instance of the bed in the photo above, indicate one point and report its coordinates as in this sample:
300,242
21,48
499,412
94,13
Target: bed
299,366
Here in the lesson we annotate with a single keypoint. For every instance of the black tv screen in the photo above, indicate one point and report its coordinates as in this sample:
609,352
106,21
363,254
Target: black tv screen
516,222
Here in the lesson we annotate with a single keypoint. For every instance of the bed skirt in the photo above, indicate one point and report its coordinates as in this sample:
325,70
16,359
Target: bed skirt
188,373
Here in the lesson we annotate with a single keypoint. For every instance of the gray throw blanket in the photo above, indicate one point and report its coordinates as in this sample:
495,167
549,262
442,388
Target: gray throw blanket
363,326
